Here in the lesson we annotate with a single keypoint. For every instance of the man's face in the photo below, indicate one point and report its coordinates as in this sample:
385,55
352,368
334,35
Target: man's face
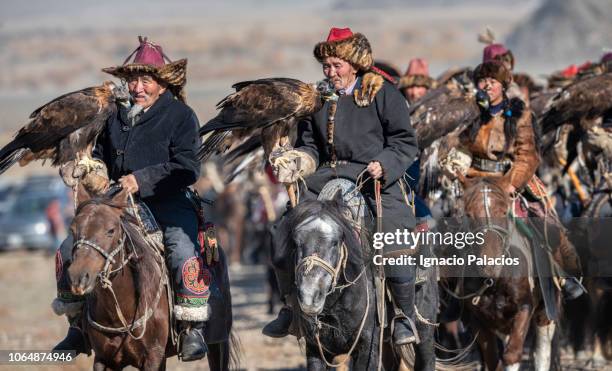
414,93
341,73
145,90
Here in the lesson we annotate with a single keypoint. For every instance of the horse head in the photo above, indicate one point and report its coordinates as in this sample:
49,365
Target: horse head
486,207
319,233
98,239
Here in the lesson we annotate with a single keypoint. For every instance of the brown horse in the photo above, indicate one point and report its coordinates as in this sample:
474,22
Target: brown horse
127,319
505,299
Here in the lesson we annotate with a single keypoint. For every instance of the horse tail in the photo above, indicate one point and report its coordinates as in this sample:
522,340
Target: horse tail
235,351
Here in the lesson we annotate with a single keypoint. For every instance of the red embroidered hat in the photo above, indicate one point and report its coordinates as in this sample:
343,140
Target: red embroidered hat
497,52
343,43
150,58
336,34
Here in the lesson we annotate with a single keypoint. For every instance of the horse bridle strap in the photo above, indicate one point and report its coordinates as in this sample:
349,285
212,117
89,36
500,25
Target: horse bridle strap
110,257
311,261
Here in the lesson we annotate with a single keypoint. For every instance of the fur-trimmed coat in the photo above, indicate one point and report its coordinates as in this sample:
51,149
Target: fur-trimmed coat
490,142
380,131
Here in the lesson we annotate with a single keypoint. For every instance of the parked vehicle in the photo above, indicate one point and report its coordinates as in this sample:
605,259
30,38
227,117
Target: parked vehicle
26,223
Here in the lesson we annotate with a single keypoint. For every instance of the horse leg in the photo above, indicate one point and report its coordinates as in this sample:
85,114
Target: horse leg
99,365
516,340
487,341
218,356
313,360
544,337
367,354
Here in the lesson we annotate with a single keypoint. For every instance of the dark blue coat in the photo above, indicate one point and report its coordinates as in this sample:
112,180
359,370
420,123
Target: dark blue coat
160,149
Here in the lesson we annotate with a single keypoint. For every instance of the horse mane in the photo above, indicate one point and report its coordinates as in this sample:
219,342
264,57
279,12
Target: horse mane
284,246
144,266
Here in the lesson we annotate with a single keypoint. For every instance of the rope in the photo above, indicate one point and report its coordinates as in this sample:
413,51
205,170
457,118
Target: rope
357,337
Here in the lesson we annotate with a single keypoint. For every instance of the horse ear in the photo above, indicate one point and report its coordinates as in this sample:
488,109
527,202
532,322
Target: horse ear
121,197
82,194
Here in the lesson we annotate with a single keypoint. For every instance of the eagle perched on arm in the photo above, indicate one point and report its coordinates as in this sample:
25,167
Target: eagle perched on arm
66,128
265,108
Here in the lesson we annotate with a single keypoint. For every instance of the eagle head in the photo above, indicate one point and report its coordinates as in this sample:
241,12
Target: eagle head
119,92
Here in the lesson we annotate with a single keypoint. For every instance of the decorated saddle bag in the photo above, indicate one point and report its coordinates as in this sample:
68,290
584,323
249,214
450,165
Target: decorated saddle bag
207,235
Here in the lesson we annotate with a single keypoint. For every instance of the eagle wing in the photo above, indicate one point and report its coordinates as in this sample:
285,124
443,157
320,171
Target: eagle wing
267,107
442,111
59,129
584,99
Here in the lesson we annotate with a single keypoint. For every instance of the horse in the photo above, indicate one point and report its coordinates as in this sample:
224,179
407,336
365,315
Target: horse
336,303
589,326
127,314
504,300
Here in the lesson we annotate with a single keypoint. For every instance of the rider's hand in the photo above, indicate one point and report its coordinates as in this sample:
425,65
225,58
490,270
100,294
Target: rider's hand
128,182
375,170
510,189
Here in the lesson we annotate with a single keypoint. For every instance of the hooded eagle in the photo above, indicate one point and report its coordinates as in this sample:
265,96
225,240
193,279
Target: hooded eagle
65,128
260,112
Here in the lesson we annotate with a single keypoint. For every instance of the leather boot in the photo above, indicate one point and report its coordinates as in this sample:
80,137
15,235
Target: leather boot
403,295
281,325
572,288
75,339
192,344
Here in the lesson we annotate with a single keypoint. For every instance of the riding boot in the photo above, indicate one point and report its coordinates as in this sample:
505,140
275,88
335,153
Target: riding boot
191,339
75,339
280,326
404,331
570,285
572,288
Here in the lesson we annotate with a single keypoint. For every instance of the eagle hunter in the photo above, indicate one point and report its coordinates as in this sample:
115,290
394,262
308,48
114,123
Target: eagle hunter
66,128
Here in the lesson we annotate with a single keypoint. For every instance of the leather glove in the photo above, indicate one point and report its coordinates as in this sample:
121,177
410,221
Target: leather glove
94,178
290,165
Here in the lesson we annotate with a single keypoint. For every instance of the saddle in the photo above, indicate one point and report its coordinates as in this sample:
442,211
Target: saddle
360,214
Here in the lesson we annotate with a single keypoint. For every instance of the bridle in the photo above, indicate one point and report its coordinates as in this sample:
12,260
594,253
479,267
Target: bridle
109,257
104,278
313,260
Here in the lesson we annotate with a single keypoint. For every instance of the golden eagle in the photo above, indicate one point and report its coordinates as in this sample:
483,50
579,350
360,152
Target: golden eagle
266,108
64,129
442,110
585,99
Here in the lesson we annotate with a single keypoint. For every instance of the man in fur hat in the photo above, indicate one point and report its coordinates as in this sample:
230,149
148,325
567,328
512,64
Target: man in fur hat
366,128
150,150
416,81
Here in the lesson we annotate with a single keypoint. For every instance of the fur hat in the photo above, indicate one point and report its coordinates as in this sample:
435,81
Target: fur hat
150,58
417,74
344,44
493,69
